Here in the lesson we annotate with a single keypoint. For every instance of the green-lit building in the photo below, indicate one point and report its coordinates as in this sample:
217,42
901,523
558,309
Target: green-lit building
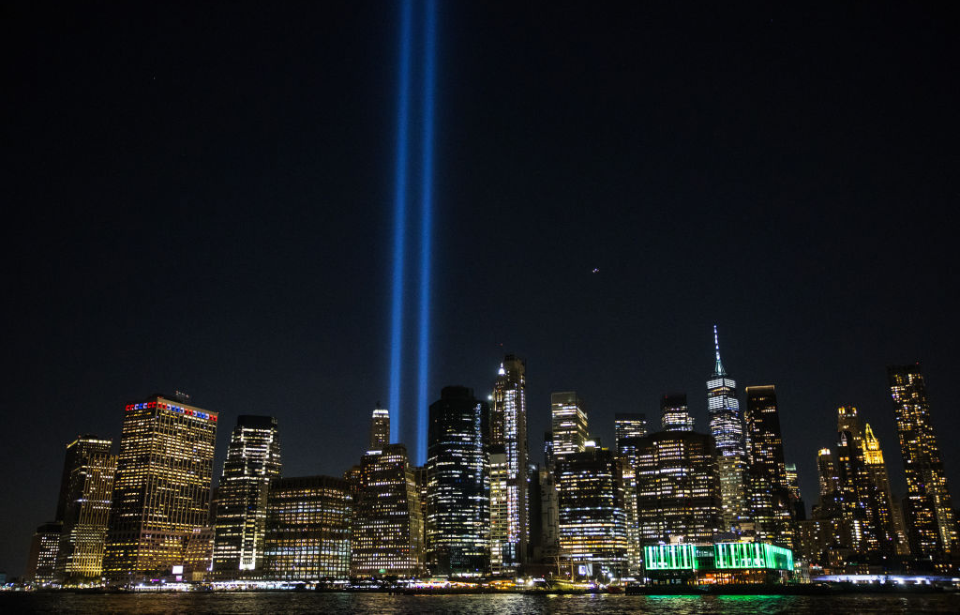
717,563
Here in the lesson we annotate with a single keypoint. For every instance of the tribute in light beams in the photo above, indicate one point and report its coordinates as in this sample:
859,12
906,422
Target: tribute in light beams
400,221
426,74
426,224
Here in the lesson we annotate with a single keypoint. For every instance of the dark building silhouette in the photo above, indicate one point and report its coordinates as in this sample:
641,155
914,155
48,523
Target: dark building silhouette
457,523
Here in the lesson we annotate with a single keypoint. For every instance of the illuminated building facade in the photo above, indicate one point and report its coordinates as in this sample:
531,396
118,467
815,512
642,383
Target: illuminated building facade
510,535
44,547
458,516
253,460
827,471
162,488
678,487
761,522
793,484
387,523
592,517
309,527
765,450
858,497
198,554
499,513
379,429
569,424
627,426
726,427
628,476
771,505
824,542
931,526
889,507
718,563
85,493
674,415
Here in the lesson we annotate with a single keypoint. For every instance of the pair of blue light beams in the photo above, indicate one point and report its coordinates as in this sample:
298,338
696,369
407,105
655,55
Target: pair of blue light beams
402,188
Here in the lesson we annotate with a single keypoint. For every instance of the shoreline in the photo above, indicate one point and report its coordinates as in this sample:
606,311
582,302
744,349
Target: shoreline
789,590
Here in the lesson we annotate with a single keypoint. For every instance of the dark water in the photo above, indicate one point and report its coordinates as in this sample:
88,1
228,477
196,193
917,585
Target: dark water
308,602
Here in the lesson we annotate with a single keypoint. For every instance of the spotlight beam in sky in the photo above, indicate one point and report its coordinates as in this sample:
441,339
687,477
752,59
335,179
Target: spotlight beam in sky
400,221
426,226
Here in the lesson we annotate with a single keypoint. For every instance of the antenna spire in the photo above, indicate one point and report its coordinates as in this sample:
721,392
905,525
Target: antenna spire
718,369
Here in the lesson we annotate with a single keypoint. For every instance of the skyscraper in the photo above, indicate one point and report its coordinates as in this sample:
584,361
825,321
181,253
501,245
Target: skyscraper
767,467
309,526
85,492
678,487
674,415
890,512
253,460
162,489
726,427
827,471
44,546
508,429
628,426
569,424
387,522
765,440
793,483
852,475
379,429
457,529
932,529
593,521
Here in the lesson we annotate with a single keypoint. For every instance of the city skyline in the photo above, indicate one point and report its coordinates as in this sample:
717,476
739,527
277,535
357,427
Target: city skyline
209,210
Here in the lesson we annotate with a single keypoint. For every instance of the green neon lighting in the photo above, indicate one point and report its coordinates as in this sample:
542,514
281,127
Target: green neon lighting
670,557
752,555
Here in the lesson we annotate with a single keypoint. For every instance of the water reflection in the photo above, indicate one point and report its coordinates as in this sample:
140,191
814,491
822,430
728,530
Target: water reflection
309,602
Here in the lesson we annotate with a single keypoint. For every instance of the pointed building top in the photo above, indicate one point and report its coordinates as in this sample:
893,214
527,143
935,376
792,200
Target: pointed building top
718,369
502,371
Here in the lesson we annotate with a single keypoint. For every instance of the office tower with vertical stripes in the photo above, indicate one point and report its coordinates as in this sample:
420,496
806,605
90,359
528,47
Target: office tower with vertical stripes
84,508
510,528
253,460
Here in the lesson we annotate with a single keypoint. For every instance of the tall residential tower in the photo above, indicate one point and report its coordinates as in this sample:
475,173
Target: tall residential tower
932,529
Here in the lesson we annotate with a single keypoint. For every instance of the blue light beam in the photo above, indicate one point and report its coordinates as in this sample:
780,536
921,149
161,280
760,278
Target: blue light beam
426,227
400,222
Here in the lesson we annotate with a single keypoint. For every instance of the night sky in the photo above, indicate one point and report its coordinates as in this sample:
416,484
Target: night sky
200,198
